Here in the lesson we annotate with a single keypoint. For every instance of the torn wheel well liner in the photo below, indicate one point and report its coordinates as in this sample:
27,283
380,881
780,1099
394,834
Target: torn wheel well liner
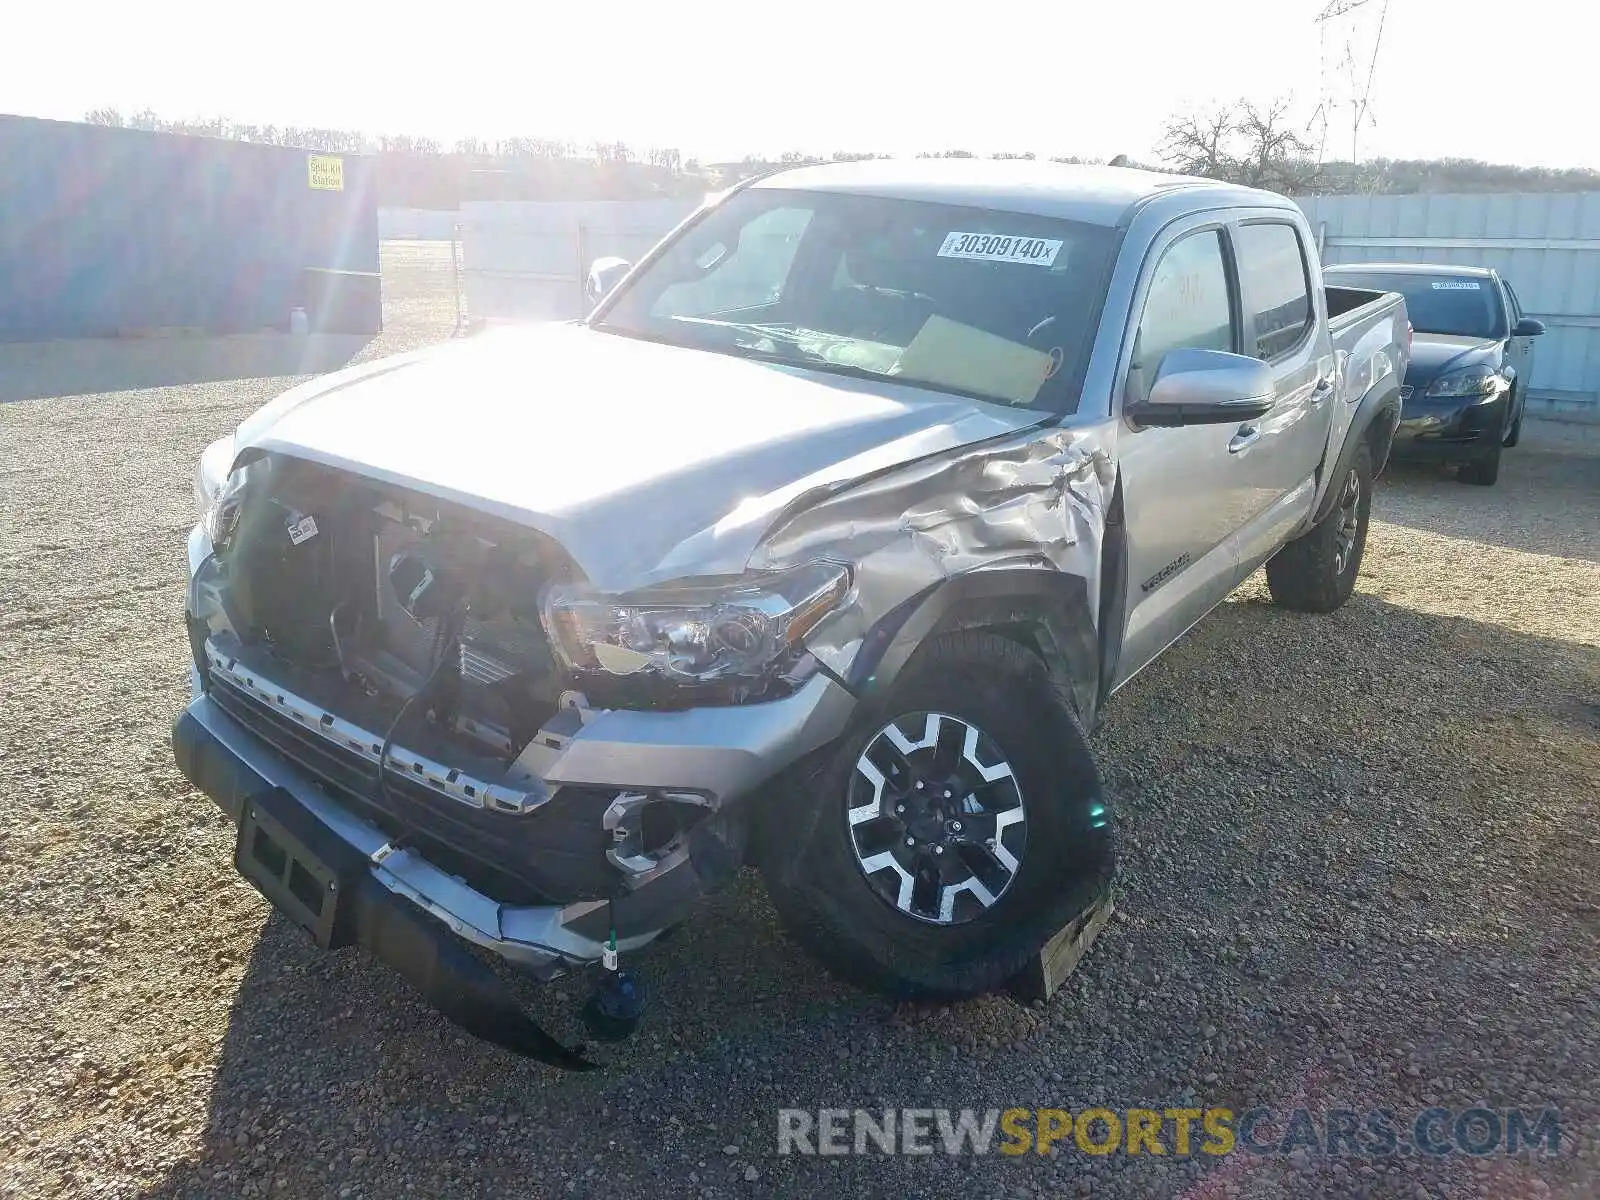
1044,610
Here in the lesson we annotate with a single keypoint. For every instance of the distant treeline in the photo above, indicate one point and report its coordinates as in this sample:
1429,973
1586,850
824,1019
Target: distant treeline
419,172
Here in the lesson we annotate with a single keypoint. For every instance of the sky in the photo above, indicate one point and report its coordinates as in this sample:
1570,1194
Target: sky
1509,83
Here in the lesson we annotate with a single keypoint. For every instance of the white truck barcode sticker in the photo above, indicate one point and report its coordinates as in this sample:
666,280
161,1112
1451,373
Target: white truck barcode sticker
1001,247
303,530
1456,285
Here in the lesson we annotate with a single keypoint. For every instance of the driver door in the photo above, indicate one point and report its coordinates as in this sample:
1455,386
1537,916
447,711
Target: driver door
1185,493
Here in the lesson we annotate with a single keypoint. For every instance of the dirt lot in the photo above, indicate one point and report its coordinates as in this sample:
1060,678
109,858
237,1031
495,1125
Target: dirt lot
1359,871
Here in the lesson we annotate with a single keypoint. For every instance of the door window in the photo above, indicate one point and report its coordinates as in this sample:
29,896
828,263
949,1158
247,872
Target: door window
1189,306
1272,274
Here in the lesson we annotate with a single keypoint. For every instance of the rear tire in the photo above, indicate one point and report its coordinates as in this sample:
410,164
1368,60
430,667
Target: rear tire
847,845
1482,471
1317,571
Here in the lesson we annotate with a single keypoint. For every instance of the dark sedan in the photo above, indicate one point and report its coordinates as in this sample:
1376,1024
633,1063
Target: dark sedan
1471,359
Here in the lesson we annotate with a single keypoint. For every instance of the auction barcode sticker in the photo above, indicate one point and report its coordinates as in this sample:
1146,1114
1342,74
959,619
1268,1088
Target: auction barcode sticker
1001,247
1456,285
302,529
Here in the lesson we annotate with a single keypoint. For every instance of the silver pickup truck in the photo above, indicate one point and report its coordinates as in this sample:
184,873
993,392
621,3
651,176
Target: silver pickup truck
816,546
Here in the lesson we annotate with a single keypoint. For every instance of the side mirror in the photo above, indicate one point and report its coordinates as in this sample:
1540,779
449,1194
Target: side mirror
1528,327
604,274
1206,387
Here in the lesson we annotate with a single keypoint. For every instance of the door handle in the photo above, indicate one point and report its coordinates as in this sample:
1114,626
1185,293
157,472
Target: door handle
1323,390
1247,436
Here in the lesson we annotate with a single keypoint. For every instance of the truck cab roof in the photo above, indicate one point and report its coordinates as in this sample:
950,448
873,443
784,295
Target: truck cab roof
1092,194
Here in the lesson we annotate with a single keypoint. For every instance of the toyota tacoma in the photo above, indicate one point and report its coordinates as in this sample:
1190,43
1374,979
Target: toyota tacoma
816,546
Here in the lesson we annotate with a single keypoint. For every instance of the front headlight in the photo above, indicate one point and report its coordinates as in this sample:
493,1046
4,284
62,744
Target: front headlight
694,631
1476,382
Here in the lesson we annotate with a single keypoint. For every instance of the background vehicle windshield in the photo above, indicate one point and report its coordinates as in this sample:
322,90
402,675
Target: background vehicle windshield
1458,305
989,304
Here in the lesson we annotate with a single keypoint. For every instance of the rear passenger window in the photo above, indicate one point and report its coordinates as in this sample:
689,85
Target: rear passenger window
1188,305
1272,275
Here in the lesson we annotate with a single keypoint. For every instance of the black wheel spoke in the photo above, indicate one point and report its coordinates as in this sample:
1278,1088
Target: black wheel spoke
947,750
925,891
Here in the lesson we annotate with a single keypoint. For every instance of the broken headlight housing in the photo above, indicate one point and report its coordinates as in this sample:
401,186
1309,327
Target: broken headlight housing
694,631
211,472
219,491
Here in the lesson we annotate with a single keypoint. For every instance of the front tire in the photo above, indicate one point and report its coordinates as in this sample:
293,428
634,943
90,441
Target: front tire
933,851
1317,571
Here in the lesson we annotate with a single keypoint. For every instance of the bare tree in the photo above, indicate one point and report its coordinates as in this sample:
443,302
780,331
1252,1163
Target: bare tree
1197,142
665,158
1273,154
1243,142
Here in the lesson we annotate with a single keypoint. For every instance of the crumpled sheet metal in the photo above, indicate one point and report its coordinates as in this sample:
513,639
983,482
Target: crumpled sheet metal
1034,501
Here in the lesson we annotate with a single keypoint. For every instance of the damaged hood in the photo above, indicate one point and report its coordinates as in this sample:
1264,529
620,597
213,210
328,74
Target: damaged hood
645,461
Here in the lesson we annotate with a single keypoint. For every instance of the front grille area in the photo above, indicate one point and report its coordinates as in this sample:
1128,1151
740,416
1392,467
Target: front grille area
319,640
362,742
553,854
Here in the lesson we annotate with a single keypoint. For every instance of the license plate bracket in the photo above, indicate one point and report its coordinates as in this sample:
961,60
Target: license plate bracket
274,853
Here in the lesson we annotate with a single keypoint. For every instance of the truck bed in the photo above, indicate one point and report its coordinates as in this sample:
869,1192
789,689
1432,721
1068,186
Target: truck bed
1371,336
1349,306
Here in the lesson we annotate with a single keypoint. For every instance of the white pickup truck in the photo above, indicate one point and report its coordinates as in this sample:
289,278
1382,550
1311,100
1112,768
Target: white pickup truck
815,546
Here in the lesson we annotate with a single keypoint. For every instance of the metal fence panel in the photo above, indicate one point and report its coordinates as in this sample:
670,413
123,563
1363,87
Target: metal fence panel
416,224
527,260
1546,245
106,231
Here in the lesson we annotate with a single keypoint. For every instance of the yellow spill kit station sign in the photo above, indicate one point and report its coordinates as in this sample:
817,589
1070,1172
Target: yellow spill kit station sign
326,171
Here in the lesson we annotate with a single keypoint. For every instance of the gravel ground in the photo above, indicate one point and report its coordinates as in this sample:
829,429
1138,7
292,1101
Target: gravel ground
1359,871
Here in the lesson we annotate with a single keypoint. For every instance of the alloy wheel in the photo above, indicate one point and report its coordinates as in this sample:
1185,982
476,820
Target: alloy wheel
1349,518
936,818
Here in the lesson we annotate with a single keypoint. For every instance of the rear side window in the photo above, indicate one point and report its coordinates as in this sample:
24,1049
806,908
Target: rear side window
1272,274
1188,305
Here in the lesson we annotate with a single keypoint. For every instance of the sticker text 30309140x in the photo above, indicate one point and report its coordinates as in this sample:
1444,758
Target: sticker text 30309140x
1001,247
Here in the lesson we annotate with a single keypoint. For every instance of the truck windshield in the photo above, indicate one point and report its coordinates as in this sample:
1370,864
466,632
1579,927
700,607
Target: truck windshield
994,305
1453,305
